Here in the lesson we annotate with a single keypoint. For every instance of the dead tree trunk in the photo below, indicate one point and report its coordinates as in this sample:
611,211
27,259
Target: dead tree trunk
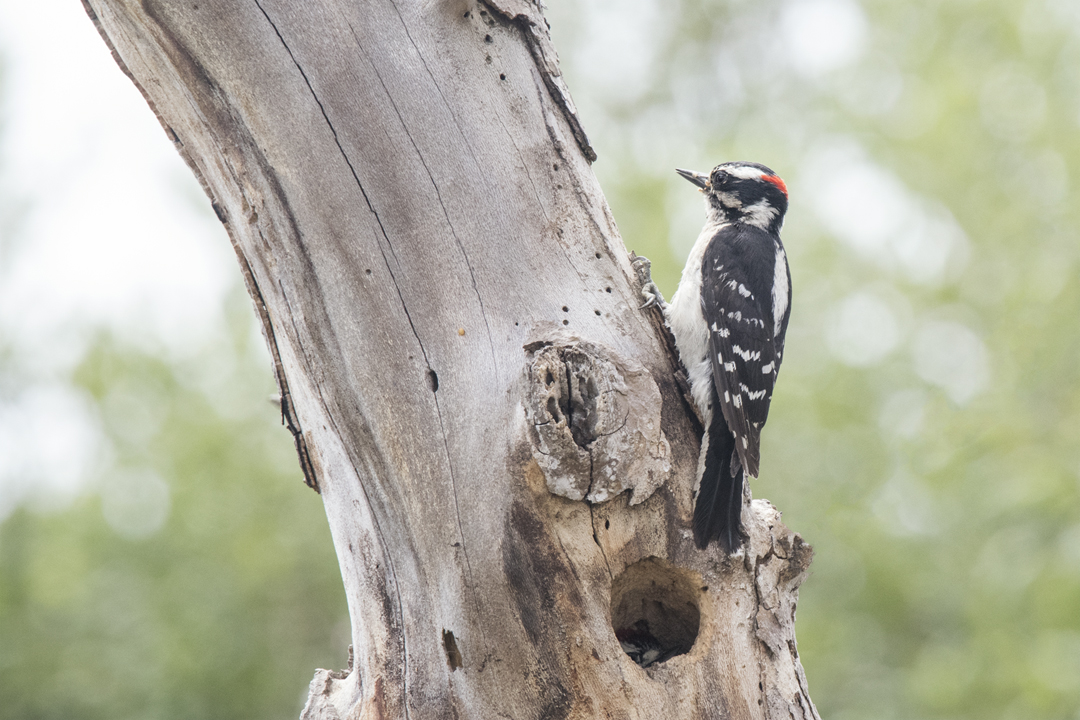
506,461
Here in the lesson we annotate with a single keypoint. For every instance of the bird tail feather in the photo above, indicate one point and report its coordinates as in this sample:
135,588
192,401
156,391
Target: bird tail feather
718,510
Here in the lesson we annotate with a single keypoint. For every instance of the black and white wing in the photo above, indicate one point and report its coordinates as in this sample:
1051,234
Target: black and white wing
746,328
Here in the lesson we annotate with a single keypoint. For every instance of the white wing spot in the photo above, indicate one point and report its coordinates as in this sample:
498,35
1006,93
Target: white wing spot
730,367
744,291
766,369
752,395
746,355
738,401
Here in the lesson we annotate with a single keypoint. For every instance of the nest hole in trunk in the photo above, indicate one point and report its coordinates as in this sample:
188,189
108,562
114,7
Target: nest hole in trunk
655,611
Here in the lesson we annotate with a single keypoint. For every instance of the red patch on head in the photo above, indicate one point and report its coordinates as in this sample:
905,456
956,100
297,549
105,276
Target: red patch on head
775,180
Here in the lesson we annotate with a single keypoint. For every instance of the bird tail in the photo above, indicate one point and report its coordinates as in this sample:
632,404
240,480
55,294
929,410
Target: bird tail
718,510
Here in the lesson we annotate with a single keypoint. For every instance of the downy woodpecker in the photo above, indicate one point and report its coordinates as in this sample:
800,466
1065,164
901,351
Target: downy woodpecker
729,317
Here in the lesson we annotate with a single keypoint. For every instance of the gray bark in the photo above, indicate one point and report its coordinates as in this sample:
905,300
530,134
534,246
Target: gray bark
506,460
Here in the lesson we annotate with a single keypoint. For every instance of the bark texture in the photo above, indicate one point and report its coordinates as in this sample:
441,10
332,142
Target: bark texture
506,460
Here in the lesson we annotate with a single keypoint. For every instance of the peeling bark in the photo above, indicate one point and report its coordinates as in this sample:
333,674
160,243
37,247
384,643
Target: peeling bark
409,192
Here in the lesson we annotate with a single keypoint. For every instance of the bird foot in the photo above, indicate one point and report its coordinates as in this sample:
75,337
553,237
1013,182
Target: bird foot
650,294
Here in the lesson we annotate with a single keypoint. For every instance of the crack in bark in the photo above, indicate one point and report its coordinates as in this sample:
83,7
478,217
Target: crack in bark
378,220
356,177
787,582
625,418
387,558
556,142
525,165
288,412
405,309
438,407
559,148
449,107
528,20
457,514
431,177
596,537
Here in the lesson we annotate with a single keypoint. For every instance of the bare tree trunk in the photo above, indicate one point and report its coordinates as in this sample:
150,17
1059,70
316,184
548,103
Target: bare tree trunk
506,460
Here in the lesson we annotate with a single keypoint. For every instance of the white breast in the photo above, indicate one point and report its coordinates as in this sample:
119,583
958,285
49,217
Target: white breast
688,325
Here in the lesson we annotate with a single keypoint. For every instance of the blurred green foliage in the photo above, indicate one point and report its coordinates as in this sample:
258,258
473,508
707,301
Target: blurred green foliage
924,432
226,609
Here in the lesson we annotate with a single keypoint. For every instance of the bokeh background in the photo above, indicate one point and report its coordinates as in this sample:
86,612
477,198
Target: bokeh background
160,556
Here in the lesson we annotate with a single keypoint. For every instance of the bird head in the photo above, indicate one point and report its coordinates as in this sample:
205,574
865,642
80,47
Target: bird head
742,192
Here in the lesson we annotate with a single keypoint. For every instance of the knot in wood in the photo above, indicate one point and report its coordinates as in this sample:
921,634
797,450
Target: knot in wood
594,422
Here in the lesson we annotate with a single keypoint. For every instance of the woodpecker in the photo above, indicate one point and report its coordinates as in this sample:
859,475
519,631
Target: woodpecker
643,647
729,317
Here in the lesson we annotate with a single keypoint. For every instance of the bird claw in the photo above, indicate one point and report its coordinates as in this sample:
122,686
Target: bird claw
649,292
652,296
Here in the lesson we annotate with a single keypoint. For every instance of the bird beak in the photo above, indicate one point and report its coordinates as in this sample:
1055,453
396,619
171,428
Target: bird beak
702,181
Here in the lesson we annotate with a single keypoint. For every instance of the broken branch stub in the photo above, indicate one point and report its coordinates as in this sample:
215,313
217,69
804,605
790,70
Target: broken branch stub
594,422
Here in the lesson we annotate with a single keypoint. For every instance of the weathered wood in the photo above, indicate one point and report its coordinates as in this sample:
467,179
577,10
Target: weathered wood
408,191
